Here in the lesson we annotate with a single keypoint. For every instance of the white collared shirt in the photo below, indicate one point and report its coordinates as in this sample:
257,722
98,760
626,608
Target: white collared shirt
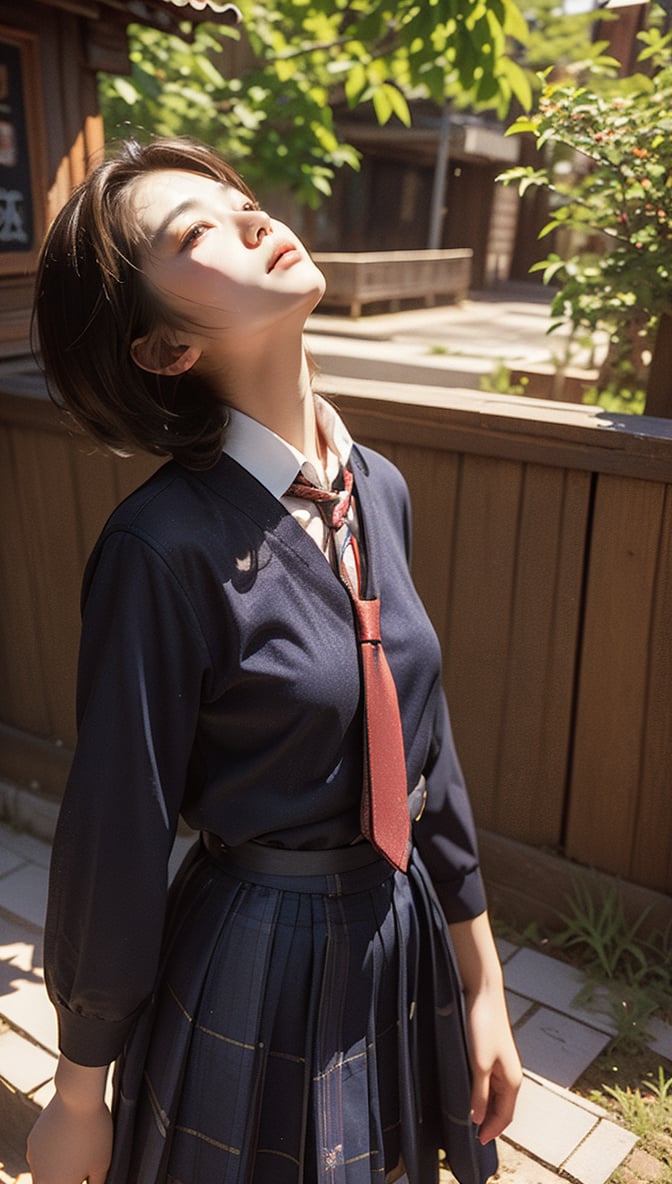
275,463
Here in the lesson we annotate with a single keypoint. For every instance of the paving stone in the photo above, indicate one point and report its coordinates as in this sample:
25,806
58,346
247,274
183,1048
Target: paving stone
25,846
20,944
547,1124
44,1095
9,861
560,1092
518,1007
556,984
24,893
25,1066
23,999
505,948
600,1154
517,1168
660,1038
29,1009
558,1047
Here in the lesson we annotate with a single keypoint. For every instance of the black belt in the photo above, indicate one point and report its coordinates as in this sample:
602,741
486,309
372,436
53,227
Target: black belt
281,861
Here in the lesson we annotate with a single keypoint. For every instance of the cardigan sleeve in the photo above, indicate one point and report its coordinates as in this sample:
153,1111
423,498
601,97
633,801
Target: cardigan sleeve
445,834
141,666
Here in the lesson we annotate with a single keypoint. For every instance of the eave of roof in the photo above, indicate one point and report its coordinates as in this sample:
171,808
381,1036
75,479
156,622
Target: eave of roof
161,13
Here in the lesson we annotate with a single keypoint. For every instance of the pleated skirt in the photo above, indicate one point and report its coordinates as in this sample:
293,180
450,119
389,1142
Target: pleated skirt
304,1030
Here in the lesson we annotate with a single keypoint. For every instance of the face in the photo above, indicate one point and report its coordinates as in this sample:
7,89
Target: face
220,265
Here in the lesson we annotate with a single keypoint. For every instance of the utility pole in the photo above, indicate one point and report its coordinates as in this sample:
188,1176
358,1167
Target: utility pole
440,180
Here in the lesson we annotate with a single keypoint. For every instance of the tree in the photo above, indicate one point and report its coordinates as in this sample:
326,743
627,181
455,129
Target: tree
563,41
618,199
562,46
275,121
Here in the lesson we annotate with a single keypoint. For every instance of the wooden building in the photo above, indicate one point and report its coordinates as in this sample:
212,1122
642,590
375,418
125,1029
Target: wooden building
387,204
50,125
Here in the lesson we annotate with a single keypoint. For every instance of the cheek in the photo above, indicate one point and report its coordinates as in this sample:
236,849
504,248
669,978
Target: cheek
204,282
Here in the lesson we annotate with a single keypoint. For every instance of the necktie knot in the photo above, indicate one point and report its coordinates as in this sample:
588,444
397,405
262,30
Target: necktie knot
333,504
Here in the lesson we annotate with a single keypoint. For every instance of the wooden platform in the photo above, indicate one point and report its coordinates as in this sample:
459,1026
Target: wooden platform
366,277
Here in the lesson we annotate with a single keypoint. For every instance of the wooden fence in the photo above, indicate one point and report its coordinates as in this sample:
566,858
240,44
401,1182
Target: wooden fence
542,548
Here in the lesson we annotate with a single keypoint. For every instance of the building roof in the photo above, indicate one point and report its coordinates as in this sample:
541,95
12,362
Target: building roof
193,10
162,14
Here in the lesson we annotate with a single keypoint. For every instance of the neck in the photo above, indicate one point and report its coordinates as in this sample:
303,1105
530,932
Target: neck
270,381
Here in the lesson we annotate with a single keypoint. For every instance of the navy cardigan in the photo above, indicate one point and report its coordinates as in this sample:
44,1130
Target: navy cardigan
219,678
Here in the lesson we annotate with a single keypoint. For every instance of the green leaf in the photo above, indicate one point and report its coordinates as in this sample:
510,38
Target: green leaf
322,184
522,124
515,24
210,72
399,105
519,81
126,90
549,228
381,104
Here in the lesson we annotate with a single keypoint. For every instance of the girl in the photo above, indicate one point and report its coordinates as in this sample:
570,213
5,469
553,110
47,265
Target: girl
290,1012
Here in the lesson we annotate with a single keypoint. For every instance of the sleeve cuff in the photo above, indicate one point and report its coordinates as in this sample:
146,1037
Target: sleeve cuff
91,1041
464,899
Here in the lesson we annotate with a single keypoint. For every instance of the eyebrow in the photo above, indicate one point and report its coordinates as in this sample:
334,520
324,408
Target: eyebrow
184,207
189,203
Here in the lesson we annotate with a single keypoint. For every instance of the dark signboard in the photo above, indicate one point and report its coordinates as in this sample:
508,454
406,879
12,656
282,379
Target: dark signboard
16,201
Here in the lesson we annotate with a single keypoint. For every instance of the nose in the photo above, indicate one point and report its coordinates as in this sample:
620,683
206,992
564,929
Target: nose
257,226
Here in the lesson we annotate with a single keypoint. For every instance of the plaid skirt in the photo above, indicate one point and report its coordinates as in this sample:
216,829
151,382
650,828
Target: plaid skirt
305,1029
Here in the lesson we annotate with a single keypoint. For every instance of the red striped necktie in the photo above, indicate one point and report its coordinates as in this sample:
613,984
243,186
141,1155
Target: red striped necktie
384,816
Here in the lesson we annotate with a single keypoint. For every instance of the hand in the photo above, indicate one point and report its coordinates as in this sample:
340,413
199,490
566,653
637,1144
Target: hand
69,1144
495,1064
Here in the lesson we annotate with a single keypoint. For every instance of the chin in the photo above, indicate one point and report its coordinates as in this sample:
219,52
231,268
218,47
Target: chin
312,292
320,288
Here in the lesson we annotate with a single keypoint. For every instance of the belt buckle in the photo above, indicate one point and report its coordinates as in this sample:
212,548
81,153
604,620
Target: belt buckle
417,800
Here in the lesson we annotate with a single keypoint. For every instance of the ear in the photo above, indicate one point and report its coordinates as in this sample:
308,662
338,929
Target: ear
158,356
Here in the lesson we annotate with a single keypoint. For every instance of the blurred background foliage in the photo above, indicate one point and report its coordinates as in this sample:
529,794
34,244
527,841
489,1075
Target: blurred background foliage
267,102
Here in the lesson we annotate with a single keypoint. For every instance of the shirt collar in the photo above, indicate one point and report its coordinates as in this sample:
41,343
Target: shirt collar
273,461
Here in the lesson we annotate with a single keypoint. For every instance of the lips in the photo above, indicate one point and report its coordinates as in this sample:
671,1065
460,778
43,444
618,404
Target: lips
282,250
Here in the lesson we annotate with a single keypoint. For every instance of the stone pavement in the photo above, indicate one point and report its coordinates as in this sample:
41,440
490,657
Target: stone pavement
452,345
554,1131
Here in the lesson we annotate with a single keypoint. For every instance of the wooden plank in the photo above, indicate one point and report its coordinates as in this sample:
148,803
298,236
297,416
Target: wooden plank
21,681
527,887
542,649
614,677
567,435
45,501
432,479
96,481
29,760
652,843
480,607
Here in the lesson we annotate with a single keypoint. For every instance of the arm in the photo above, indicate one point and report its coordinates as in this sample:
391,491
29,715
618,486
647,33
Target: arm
141,668
72,1138
138,696
495,1064
446,839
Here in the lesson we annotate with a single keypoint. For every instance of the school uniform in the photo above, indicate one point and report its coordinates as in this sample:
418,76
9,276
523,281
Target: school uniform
289,1013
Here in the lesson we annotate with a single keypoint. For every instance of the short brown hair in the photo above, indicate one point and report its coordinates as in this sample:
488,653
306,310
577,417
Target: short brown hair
91,304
